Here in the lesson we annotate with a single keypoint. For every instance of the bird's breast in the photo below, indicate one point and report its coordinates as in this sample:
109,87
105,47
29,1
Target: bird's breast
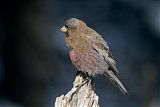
73,56
88,61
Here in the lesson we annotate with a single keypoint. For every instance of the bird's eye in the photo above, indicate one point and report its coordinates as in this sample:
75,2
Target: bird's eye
69,27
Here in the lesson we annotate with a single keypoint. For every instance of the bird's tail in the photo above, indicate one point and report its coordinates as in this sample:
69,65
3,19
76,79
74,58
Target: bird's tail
115,80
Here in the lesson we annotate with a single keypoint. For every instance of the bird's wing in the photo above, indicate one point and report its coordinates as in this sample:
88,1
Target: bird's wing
101,46
108,60
112,73
98,40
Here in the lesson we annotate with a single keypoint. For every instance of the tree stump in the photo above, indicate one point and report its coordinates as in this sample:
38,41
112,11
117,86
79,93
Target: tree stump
81,95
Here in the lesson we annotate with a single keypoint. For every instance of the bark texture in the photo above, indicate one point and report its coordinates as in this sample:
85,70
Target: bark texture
81,95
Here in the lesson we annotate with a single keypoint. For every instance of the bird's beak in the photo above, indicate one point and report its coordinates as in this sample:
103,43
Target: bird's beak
63,29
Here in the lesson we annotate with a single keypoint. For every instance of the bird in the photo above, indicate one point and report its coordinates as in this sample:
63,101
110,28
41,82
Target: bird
89,52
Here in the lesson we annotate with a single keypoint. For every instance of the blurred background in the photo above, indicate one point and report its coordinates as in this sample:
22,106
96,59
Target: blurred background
34,64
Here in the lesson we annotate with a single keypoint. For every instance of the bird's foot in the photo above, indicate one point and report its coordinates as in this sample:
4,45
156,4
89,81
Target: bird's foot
86,79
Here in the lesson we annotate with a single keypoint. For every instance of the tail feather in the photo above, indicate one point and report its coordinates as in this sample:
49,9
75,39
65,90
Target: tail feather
114,79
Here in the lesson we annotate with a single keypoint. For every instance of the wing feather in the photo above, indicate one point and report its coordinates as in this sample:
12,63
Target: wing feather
102,47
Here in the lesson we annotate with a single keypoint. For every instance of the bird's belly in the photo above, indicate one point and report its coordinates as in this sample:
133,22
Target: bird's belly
88,61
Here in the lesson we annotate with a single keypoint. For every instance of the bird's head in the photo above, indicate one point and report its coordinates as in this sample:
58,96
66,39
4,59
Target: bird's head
73,25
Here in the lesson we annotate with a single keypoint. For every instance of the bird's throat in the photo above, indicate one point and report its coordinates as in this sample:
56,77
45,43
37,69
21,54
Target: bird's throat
78,43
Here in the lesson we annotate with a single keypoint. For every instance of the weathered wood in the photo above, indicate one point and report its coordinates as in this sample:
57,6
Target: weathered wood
81,95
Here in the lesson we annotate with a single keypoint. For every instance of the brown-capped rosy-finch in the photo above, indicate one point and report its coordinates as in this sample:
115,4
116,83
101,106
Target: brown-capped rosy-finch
89,52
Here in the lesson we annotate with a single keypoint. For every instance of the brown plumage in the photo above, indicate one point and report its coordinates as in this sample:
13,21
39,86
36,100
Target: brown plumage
89,52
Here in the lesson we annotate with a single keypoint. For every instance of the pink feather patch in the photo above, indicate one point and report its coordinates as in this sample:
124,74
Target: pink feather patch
73,56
